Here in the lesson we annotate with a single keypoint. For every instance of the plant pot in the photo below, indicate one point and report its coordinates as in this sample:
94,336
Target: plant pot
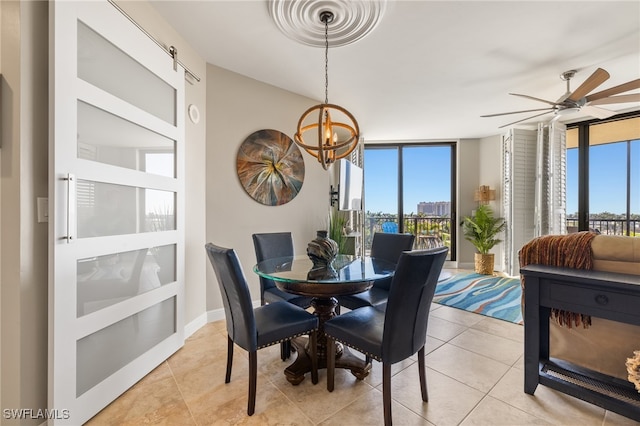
484,263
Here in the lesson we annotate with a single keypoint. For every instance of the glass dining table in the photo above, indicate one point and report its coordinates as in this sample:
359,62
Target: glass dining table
347,275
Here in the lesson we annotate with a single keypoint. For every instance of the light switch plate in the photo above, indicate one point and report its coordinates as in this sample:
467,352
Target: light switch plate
43,209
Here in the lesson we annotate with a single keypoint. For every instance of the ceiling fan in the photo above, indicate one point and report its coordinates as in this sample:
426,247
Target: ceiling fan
579,99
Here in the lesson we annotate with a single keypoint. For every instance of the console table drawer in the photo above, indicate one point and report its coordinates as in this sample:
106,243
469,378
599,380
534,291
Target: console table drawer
608,295
594,298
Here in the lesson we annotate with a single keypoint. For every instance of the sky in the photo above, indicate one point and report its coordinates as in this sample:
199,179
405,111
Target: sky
607,178
427,172
427,178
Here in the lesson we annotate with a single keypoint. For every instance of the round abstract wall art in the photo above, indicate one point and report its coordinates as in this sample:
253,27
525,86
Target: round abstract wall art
270,167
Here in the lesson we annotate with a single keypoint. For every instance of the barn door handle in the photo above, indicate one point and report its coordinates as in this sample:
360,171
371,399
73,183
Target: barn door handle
71,207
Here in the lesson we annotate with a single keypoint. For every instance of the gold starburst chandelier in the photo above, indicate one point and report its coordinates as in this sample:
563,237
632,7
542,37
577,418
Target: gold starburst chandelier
335,139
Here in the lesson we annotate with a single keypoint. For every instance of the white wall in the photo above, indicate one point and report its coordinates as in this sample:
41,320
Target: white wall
468,181
237,107
490,163
479,163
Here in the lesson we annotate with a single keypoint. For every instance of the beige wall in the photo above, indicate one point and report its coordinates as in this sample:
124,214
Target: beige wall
23,169
237,107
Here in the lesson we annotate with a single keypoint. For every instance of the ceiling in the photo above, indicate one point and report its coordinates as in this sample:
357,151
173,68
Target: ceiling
430,69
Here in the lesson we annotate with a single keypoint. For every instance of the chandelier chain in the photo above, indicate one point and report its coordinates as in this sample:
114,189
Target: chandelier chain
326,61
335,139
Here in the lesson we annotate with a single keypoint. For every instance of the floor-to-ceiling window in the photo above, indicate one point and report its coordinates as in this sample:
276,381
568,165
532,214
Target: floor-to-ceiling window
410,188
603,176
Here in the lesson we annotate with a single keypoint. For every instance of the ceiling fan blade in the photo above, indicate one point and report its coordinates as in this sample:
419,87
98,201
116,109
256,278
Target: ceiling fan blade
625,87
596,112
598,77
517,112
525,119
634,97
535,99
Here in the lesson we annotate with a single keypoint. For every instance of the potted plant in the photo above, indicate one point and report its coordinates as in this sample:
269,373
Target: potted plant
337,222
481,230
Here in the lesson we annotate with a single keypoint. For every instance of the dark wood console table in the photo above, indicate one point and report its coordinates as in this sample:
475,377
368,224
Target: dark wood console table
599,294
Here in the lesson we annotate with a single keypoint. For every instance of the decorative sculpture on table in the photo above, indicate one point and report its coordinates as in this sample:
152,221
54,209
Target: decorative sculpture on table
270,167
322,251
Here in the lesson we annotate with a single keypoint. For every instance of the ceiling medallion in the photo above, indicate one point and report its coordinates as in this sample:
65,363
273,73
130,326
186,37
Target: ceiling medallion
353,19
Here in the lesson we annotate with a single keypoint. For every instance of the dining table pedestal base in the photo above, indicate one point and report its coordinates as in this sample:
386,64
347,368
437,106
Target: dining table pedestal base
344,359
346,275
325,309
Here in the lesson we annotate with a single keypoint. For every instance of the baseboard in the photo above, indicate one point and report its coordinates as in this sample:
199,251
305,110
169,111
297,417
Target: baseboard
196,324
450,264
472,267
215,315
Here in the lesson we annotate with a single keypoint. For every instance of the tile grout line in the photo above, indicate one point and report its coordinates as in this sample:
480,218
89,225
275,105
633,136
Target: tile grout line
506,402
181,394
289,399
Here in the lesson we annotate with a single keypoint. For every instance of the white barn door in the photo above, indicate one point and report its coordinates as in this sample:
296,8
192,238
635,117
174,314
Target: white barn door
116,239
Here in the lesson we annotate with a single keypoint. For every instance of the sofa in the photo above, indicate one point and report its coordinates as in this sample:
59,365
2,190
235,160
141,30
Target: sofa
605,345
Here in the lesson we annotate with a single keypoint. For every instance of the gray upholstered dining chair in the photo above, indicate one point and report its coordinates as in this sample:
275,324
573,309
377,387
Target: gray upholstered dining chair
383,246
254,329
385,335
270,246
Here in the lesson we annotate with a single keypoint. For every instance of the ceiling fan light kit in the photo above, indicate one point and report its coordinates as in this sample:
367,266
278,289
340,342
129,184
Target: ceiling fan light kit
579,99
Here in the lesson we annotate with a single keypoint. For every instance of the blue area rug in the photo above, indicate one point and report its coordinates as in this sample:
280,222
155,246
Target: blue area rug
496,297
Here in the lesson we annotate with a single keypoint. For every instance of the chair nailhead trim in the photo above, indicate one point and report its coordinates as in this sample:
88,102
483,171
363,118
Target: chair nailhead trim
377,358
287,339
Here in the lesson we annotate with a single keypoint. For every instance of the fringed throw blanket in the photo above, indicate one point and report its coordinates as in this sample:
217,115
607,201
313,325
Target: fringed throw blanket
568,251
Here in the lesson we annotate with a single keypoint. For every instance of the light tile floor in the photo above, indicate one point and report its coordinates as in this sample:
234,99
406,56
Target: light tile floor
474,377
